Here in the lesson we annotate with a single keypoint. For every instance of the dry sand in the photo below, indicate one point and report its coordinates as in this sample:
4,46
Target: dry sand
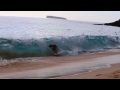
45,62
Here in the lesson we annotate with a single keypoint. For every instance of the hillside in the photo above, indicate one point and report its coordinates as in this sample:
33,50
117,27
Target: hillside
116,23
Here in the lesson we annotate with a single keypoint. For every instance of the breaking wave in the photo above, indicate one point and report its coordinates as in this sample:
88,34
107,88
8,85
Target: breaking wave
16,48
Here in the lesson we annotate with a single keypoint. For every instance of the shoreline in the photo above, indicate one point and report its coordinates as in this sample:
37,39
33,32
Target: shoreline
112,72
47,62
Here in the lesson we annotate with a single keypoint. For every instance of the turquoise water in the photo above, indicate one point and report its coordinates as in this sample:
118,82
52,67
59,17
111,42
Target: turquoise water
11,48
30,37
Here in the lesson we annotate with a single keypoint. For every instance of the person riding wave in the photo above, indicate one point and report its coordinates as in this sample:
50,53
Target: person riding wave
54,48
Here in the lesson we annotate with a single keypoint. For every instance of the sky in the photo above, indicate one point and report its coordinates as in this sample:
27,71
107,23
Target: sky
92,16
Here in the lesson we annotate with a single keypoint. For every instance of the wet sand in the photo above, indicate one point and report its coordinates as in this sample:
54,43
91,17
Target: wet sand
46,62
112,72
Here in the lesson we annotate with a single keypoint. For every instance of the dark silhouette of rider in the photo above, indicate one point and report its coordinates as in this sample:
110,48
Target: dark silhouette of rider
54,48
117,38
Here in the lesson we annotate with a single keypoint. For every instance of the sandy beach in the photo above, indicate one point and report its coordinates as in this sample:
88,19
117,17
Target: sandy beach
46,62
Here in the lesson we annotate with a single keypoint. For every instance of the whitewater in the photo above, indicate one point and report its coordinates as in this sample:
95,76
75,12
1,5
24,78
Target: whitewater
30,37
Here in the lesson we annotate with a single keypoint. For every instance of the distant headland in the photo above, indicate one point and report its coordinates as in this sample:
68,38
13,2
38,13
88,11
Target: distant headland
116,23
55,17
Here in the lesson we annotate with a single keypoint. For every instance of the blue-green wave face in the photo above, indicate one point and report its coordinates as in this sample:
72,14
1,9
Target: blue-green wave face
14,48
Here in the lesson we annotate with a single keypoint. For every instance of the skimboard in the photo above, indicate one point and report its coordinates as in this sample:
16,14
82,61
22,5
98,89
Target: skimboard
58,54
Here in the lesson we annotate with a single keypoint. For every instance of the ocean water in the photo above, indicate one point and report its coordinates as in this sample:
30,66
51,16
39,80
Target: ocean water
31,37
